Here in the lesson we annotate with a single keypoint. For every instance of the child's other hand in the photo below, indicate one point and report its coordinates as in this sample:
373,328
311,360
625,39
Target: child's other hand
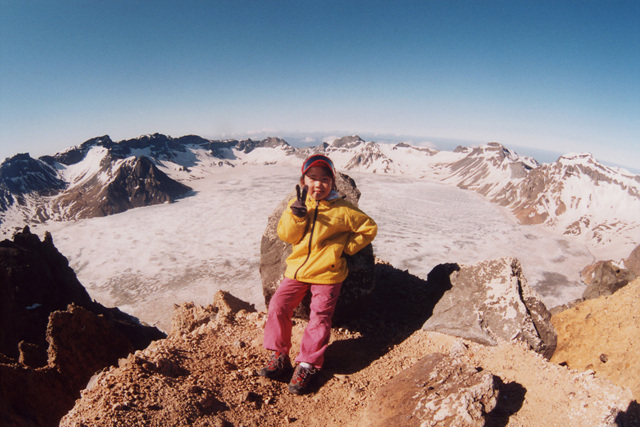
299,207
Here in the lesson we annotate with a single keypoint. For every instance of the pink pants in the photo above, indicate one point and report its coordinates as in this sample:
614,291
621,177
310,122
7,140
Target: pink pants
277,331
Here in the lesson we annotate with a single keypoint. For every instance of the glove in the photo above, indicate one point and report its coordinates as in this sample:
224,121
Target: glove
299,207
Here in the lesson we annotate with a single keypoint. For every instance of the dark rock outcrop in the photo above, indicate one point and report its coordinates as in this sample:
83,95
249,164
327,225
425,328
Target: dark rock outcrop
632,263
356,289
36,280
22,174
53,336
604,278
134,183
438,390
492,301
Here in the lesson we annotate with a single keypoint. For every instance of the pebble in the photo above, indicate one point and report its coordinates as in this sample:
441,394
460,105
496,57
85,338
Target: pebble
250,396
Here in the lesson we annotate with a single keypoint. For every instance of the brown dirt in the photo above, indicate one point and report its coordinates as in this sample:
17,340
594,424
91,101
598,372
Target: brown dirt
203,374
603,335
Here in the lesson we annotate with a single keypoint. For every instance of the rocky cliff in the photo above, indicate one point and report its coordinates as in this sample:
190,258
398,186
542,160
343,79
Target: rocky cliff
53,336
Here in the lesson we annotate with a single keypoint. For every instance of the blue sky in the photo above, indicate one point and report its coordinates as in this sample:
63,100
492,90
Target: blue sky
561,76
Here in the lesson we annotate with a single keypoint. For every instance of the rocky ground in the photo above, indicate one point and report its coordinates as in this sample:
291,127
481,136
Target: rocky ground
603,335
203,374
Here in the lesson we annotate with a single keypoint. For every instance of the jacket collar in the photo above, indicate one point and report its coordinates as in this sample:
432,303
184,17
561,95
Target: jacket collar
333,195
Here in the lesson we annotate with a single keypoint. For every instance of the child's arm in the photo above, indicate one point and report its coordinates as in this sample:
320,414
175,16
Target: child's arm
291,228
363,231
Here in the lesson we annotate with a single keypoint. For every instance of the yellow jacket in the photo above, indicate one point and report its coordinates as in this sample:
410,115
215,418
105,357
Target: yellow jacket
318,239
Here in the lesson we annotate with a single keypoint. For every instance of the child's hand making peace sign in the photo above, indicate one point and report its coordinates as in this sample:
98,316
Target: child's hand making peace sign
299,207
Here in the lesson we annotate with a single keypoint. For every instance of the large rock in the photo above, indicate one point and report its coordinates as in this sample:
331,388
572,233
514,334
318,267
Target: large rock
53,336
491,301
356,289
633,262
438,390
604,278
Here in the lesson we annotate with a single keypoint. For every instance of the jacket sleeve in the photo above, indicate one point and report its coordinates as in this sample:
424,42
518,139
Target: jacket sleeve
364,230
291,228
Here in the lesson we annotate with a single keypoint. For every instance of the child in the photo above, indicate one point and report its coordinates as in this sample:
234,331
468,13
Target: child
320,226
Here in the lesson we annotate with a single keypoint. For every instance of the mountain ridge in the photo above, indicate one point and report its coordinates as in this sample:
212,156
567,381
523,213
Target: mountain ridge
575,195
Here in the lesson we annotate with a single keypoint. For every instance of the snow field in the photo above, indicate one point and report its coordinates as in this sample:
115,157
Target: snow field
146,259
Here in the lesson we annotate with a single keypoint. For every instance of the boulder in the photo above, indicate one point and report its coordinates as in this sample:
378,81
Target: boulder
604,278
491,301
633,262
356,289
438,390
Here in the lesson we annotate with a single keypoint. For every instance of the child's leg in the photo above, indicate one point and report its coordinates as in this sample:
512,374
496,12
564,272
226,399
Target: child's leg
277,330
318,331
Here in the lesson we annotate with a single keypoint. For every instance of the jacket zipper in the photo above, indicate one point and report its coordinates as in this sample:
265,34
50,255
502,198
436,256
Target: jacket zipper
313,226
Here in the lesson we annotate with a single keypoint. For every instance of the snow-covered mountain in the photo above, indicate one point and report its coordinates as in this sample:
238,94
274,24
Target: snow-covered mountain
575,195
95,179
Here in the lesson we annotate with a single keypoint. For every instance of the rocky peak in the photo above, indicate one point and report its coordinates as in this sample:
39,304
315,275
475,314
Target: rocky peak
413,147
499,154
192,140
133,182
572,158
488,162
584,165
22,174
77,154
157,146
248,145
347,142
273,141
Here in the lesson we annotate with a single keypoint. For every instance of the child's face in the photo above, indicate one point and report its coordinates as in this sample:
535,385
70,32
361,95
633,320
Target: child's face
319,181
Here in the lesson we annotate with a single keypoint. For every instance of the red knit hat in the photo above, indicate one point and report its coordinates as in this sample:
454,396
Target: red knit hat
319,160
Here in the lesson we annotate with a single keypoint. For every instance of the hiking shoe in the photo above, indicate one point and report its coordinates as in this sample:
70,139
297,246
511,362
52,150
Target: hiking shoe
277,365
301,378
